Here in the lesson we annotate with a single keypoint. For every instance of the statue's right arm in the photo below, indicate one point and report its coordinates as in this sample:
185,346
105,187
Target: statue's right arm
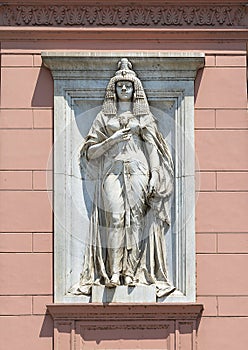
97,150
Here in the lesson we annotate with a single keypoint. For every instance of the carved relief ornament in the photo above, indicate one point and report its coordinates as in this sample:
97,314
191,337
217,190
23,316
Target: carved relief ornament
128,16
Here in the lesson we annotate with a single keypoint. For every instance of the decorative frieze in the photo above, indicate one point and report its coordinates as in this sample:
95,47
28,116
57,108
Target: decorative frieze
127,16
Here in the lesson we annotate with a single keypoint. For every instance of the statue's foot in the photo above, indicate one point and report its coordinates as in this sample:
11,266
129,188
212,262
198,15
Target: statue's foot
85,290
165,292
80,290
114,282
128,281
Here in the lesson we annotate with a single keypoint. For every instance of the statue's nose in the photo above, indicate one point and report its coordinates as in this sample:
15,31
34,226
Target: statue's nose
124,87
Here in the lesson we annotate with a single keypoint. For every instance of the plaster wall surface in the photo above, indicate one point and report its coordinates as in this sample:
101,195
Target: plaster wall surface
221,133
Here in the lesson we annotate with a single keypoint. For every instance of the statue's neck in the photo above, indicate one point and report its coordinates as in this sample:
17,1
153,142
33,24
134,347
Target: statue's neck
124,107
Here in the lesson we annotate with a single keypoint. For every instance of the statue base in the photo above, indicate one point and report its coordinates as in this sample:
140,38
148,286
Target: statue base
124,294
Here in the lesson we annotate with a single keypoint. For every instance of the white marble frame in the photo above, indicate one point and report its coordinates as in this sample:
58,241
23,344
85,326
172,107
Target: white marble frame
164,76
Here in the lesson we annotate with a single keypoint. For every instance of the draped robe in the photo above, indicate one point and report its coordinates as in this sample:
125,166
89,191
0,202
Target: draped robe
123,215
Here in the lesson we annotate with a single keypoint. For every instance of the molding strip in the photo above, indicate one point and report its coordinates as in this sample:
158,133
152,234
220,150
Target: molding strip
125,312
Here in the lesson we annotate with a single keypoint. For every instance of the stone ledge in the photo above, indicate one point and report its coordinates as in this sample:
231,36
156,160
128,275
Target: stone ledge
125,312
149,65
176,34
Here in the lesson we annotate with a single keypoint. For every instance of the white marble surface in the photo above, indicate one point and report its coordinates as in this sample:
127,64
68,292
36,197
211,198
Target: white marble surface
80,79
124,294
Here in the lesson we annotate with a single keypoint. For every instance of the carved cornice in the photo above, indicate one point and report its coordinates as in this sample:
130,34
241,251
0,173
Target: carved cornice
184,16
125,312
72,65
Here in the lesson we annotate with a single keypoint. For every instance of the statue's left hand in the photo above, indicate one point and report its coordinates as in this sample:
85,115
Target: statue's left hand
152,187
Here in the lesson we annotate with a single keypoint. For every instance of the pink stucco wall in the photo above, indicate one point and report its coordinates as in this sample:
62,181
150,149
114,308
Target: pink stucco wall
221,131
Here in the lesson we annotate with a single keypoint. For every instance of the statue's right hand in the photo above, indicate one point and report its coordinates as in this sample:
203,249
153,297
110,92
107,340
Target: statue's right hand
121,135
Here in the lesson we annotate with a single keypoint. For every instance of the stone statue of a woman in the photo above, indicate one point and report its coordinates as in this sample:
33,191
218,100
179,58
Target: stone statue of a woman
134,169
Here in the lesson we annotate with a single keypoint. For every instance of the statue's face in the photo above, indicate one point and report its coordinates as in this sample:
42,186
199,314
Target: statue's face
124,90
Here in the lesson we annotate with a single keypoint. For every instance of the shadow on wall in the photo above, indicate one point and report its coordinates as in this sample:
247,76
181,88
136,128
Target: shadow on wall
47,327
198,81
43,93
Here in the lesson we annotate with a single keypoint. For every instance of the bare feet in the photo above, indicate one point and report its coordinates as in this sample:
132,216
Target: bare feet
128,281
115,281
165,292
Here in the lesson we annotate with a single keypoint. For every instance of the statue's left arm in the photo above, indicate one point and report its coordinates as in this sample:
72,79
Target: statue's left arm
161,169
154,167
159,158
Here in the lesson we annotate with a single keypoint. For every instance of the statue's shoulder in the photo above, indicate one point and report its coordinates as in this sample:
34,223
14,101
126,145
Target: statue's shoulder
101,119
147,120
